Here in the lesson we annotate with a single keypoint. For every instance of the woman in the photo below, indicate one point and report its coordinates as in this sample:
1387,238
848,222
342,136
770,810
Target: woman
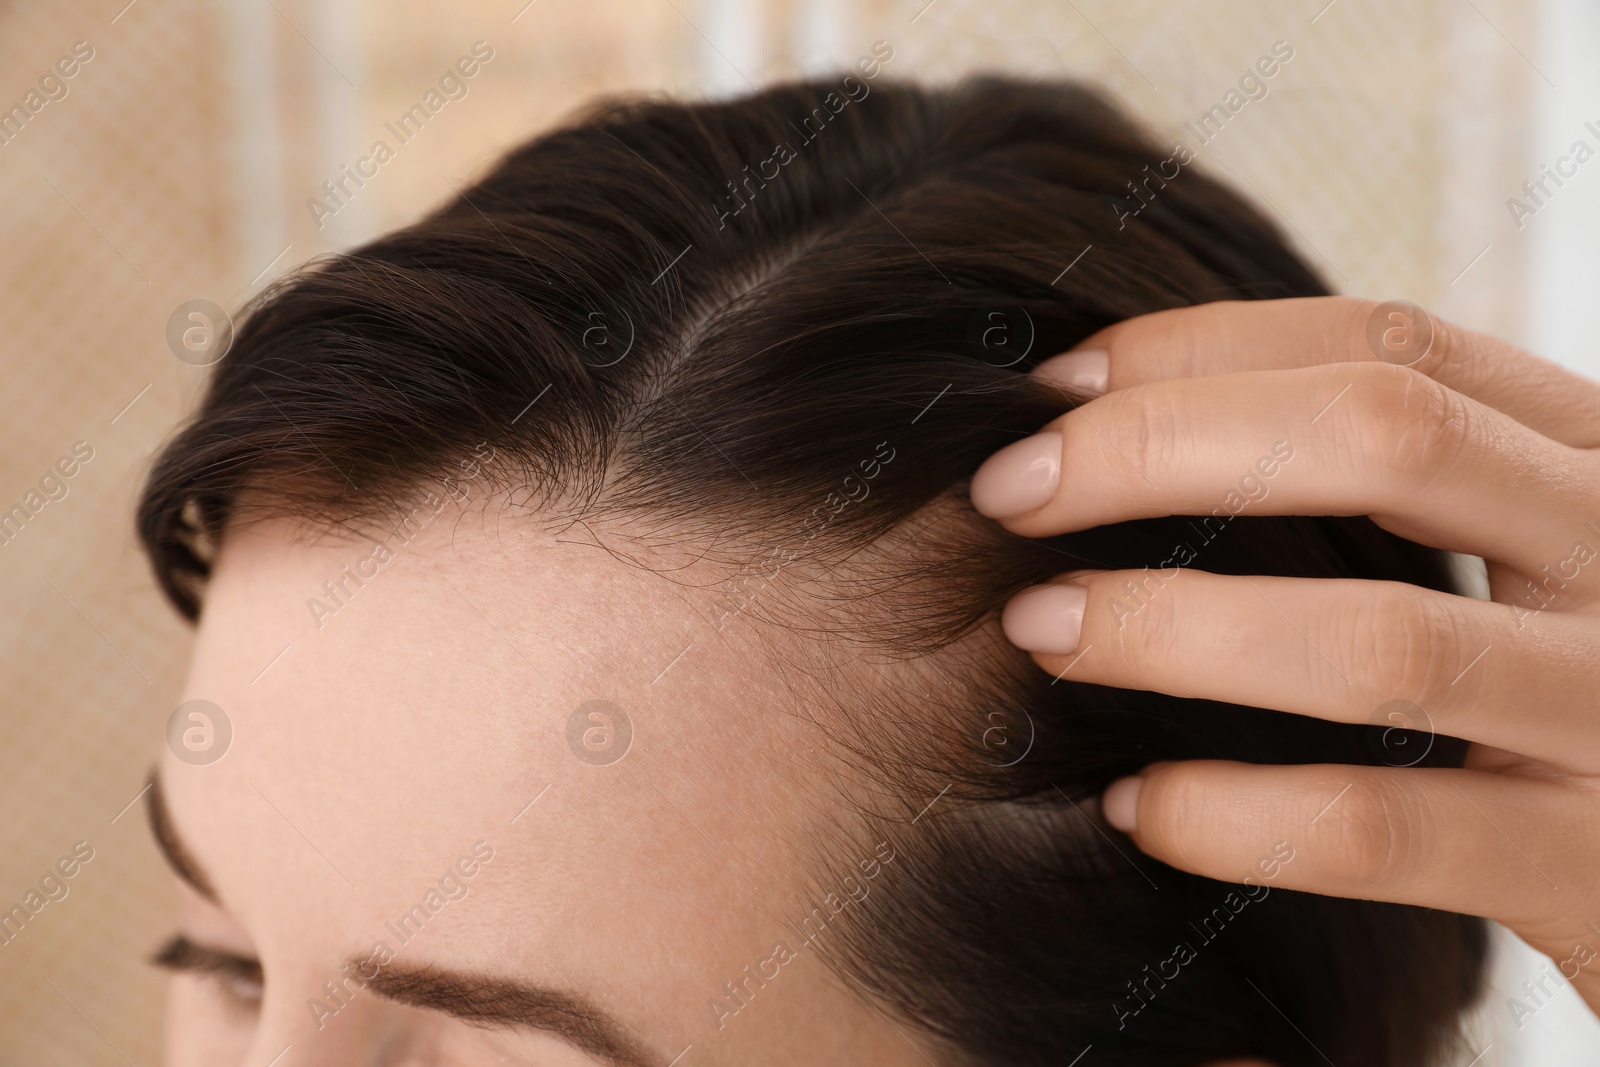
613,657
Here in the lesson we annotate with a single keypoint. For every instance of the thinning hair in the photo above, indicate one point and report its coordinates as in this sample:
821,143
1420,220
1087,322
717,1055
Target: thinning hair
796,342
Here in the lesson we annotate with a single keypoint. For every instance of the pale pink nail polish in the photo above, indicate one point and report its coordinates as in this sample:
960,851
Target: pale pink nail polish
1019,478
1120,804
1083,370
1046,618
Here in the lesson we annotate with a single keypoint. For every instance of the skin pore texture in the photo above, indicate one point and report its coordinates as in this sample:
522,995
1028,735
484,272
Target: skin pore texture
420,721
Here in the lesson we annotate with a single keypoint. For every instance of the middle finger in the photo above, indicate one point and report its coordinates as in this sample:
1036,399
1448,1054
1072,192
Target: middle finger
1342,649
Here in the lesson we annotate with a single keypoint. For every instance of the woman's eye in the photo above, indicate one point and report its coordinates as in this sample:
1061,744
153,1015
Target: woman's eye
243,991
238,979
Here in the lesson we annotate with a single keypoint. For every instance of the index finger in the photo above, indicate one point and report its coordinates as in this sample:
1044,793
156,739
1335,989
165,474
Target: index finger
1244,335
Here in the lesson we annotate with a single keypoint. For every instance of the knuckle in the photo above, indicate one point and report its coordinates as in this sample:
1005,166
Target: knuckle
1397,332
1413,427
1143,621
1141,428
1405,644
1368,836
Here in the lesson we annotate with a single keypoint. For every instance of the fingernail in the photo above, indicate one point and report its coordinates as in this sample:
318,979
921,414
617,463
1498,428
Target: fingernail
1018,478
1046,618
1084,370
1120,803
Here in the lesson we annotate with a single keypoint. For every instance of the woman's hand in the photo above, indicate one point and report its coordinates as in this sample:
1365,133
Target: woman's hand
1336,406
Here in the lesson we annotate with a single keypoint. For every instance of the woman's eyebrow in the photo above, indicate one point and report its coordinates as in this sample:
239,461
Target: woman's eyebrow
176,853
474,998
489,1001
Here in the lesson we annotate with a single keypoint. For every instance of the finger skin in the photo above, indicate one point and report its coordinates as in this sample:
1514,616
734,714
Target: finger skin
1512,835
1343,439
1472,842
1348,650
1231,336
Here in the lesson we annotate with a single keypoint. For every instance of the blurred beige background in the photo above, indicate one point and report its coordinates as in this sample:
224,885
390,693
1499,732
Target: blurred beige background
180,162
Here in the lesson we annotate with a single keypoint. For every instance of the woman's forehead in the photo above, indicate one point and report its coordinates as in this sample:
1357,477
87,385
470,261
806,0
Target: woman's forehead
481,688
568,712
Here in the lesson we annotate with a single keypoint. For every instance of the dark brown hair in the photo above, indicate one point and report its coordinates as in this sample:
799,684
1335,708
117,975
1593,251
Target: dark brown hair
724,316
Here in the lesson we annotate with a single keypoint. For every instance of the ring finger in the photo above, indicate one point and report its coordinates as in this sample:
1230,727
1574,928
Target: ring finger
1338,649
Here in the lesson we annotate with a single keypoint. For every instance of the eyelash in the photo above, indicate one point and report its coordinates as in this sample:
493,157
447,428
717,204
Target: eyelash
237,978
